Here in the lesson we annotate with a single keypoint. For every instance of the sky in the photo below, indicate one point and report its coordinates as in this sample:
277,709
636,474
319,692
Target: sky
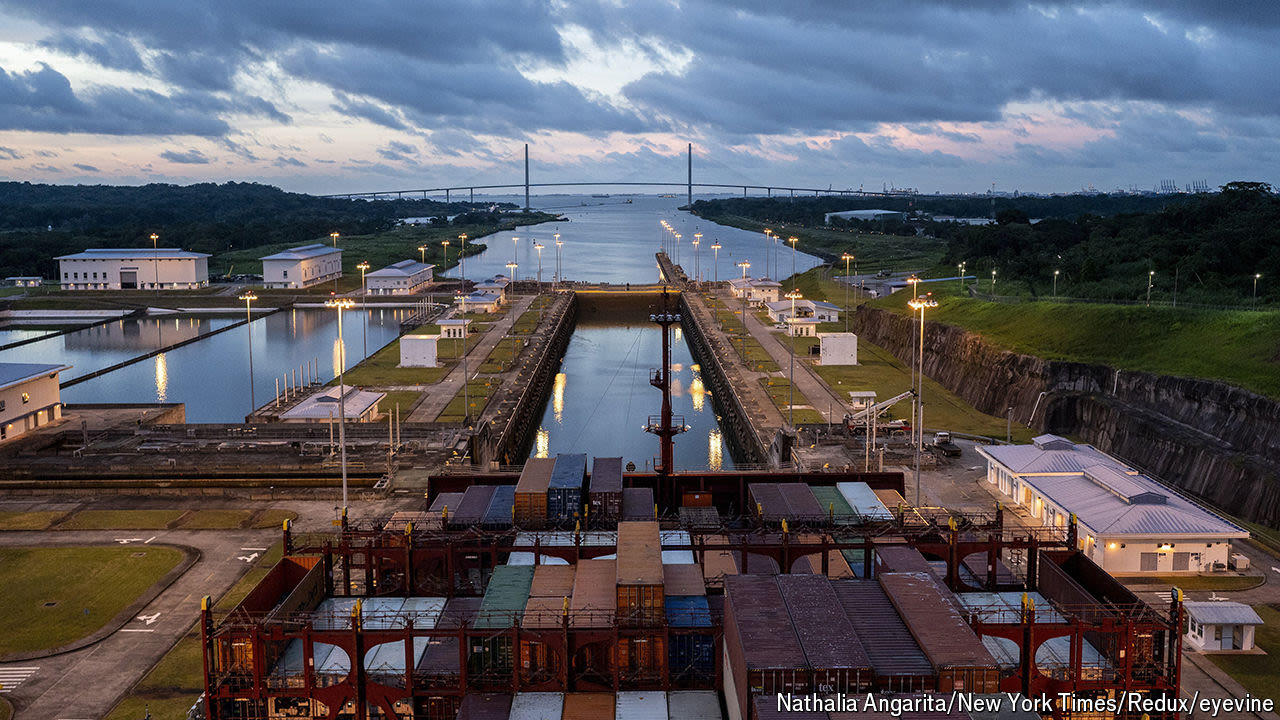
329,96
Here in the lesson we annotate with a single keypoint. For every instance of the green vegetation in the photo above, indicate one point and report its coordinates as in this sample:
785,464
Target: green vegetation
1237,347
54,596
1226,583
503,356
38,520
173,685
404,398
383,369
478,392
271,518
215,519
1259,674
748,348
880,371
121,520
779,391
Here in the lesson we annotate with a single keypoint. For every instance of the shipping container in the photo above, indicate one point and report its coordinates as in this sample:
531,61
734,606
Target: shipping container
834,505
448,500
594,602
930,612
900,558
501,608
605,495
677,539
766,502
899,663
694,705
419,521
531,491
692,659
499,513
564,494
642,705
683,580
802,506
552,581
837,566
699,499
541,659
639,574
471,510
766,708
441,665
640,659
864,501
637,504
537,706
588,706
765,657
485,706
837,661
856,559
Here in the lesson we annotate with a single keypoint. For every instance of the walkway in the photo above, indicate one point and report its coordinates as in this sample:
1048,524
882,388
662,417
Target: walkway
440,394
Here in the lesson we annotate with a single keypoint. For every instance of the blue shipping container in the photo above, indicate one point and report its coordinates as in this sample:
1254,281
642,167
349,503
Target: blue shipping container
564,495
499,512
692,657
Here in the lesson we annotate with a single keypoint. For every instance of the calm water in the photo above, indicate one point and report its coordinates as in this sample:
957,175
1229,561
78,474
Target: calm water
602,399
212,376
609,240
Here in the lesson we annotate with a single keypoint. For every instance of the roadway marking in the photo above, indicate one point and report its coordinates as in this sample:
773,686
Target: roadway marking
12,677
149,619
1166,596
126,541
248,558
148,540
135,630
259,549
1273,567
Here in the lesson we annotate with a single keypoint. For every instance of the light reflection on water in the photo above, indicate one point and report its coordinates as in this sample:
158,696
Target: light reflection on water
162,378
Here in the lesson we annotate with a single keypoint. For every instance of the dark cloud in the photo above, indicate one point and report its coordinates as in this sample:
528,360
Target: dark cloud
376,114
188,157
112,51
283,161
398,151
86,168
8,153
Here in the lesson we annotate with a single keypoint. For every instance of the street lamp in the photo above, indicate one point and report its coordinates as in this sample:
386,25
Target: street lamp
745,267
793,296
993,282
1256,276
1055,284
155,263
538,246
558,245
515,245
364,316
697,258
422,250
846,257
1151,278
341,304
715,247
678,236
511,267
444,243
961,268
334,236
921,303
915,292
462,270
768,236
249,297
793,240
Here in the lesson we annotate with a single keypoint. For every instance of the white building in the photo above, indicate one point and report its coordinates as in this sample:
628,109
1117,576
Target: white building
29,397
302,266
454,328
863,215
24,281
496,285
839,348
323,406
479,302
1220,626
756,290
419,350
1127,522
780,311
134,269
802,327
407,277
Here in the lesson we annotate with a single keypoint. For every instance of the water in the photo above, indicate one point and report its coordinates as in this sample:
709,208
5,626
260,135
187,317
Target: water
602,398
212,376
16,334
609,240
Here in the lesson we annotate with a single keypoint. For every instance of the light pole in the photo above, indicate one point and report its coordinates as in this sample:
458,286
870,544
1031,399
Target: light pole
445,243
921,303
768,242
334,236
559,243
1151,278
341,304
1256,276
697,258
1055,284
793,240
961,268
678,236
155,263
793,296
422,251
915,292
745,267
511,268
249,297
364,316
462,265
715,247
846,257
538,247
993,282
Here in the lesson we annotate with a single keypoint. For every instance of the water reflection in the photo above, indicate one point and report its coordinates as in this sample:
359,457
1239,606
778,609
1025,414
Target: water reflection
557,397
715,450
162,378
697,393
542,444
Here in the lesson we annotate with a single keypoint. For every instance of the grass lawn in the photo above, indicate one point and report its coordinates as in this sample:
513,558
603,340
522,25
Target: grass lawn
479,391
382,369
526,323
779,391
887,376
38,520
121,520
873,251
1200,582
404,398
215,519
748,348
504,354
87,586
1236,347
271,518
1259,674
176,681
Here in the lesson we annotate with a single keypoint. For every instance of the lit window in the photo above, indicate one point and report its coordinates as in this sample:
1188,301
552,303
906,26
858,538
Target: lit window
26,398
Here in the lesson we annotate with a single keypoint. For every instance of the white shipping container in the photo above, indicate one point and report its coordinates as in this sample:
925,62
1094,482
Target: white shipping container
693,705
537,706
641,705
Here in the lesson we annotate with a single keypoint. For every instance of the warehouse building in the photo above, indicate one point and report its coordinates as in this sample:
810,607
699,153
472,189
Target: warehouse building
756,290
407,277
302,266
29,397
134,269
1129,523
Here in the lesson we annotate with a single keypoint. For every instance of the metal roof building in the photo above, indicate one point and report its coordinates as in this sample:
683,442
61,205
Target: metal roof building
1220,626
29,397
302,266
1130,522
401,278
133,269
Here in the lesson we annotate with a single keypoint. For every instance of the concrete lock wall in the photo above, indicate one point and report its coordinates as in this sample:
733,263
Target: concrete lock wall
1205,437
418,350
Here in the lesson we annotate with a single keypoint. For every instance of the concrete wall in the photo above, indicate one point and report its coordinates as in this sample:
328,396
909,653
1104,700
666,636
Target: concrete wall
1207,438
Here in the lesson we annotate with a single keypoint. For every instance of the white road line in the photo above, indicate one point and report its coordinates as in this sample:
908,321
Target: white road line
135,630
12,677
259,549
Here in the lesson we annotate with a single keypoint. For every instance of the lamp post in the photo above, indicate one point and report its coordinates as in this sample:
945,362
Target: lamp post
993,282
559,244
341,304
1256,276
462,270
846,257
1151,278
249,297
511,267
768,237
364,316
334,236
444,243
715,247
915,292
1055,284
921,303
793,240
745,267
538,247
155,263
422,252
697,257
678,236
960,267
793,296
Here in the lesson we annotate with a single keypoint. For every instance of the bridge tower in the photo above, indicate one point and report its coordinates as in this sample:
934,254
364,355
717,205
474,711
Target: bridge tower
666,426
526,177
691,176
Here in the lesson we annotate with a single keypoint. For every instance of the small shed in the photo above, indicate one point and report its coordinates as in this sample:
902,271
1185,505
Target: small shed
418,350
839,348
1220,626
456,328
802,327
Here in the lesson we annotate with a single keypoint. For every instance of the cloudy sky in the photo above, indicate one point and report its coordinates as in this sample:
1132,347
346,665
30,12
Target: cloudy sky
328,96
